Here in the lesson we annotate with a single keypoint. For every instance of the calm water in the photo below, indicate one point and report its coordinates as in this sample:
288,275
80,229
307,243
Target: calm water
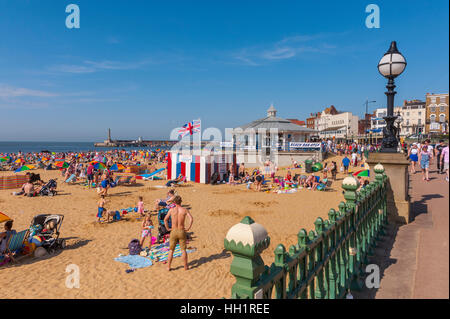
14,147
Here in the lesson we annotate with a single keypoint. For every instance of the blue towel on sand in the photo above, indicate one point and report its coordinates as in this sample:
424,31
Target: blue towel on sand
134,261
71,178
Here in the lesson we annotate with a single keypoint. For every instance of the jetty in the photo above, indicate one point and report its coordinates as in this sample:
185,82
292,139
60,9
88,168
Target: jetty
133,143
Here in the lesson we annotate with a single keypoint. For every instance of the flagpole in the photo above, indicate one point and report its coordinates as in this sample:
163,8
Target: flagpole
200,135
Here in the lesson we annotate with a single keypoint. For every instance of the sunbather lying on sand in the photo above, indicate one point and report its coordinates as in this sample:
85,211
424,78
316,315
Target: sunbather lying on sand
175,181
126,180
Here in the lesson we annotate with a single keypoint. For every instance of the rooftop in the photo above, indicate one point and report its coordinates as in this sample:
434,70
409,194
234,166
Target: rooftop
271,121
298,122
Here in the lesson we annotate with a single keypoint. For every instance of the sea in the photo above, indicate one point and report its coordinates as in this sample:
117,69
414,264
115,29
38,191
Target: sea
37,147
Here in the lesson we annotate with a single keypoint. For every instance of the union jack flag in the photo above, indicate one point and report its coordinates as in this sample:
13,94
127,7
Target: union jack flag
189,128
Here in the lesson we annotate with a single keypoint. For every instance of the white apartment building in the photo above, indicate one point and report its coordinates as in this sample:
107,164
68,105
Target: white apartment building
413,117
412,114
377,123
339,126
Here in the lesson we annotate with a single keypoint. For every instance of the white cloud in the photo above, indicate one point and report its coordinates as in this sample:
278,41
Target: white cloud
284,49
89,66
76,69
11,92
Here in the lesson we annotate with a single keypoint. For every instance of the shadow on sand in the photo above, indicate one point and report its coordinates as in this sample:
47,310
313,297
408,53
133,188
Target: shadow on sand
28,260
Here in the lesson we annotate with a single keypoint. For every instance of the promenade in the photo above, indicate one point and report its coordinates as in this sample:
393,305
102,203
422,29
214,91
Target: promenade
414,258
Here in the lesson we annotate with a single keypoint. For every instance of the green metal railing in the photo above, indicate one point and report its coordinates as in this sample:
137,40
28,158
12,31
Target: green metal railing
326,262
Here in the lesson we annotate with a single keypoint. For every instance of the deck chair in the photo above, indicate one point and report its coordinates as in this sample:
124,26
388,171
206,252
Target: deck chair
116,180
15,243
72,177
323,186
126,181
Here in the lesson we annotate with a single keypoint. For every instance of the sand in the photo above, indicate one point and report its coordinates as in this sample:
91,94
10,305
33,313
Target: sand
93,247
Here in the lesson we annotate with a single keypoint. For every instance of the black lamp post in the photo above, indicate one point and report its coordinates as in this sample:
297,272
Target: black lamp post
398,121
391,65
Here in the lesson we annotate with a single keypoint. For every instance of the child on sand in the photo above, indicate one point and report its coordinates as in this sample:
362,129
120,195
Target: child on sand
289,176
147,226
140,206
101,207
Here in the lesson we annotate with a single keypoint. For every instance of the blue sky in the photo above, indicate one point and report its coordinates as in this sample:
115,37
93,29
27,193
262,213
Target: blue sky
146,67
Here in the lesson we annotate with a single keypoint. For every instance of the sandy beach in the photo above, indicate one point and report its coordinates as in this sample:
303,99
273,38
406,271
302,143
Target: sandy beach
93,246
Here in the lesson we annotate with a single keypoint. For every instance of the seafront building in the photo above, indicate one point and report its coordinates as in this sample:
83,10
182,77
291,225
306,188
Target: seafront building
413,117
270,132
364,124
273,138
312,122
340,126
417,117
437,114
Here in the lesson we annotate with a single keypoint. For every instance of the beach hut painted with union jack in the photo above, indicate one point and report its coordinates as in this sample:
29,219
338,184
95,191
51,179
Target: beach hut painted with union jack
198,166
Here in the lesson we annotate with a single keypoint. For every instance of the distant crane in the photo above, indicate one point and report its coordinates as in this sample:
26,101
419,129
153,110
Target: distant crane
365,116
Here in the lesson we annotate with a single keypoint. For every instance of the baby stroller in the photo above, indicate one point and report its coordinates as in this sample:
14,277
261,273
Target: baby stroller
215,178
162,231
48,189
47,227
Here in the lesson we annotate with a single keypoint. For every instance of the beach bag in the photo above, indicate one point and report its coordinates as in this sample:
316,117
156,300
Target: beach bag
134,247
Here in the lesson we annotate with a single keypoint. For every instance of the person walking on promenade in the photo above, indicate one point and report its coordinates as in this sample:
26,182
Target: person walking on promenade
439,147
413,157
445,161
424,159
430,150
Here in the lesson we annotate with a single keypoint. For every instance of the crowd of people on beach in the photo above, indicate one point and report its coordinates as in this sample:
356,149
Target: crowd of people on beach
82,167
92,168
95,170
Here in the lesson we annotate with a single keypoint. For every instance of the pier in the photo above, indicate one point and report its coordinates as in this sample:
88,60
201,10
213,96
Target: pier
133,143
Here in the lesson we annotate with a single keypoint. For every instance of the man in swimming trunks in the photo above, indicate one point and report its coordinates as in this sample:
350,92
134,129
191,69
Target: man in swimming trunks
178,230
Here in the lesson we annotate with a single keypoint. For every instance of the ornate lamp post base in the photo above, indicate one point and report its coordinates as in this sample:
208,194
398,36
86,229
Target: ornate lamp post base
389,143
